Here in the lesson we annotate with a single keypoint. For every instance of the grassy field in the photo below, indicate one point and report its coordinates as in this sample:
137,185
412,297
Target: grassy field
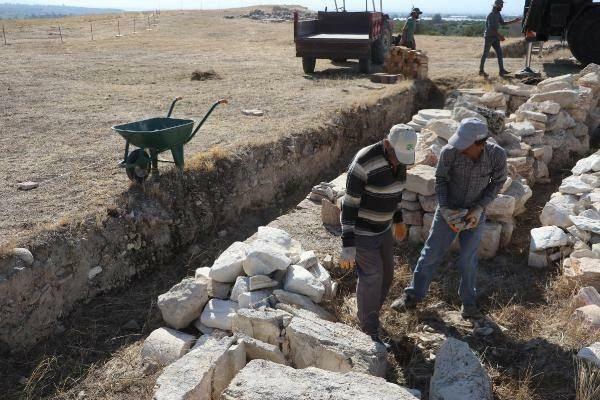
59,100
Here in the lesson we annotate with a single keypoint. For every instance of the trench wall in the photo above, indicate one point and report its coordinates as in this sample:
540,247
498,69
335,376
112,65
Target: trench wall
151,224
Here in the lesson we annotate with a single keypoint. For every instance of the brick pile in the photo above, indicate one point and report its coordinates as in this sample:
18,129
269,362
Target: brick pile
413,64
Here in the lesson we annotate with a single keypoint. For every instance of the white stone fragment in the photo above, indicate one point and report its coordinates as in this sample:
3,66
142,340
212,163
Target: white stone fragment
303,302
183,302
299,280
308,259
591,353
164,346
258,282
256,299
219,314
228,266
242,284
263,259
547,237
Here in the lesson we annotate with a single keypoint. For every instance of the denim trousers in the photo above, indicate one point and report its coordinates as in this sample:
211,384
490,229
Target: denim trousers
375,269
495,43
436,247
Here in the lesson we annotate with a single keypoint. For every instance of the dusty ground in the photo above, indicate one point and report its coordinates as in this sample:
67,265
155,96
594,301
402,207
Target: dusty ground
58,101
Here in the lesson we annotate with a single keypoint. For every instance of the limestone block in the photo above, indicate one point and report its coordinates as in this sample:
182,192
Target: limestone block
558,211
262,380
564,98
547,237
586,296
303,302
219,314
521,129
428,203
508,228
591,354
216,289
415,234
259,350
532,116
542,153
502,206
299,280
410,205
308,259
323,276
228,266
585,271
584,236
560,121
409,196
191,377
330,213
458,374
264,259
590,315
227,368
434,113
265,325
421,179
537,259
412,217
258,282
540,170
521,193
443,128
255,299
334,347
242,284
490,240
586,224
164,346
183,302
460,113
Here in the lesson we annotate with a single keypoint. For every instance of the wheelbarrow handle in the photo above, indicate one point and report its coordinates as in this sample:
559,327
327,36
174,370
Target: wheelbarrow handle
173,105
222,101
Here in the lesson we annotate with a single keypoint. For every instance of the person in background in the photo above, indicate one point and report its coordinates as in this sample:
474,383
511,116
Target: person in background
371,219
469,176
493,37
408,32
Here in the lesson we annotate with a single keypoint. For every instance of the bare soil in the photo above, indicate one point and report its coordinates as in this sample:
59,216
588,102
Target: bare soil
58,101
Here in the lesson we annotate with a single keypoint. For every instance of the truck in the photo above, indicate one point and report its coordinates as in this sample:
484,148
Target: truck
341,35
577,21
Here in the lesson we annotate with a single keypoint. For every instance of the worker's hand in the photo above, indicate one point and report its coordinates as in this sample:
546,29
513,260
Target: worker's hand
502,38
348,258
400,232
452,216
473,217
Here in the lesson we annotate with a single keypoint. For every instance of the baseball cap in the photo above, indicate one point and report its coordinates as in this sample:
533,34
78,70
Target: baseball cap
403,139
469,131
416,10
498,3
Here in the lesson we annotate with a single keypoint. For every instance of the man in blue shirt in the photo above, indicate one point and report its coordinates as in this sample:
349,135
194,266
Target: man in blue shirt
493,37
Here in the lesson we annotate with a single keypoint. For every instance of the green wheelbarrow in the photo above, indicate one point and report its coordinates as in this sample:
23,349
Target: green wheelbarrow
154,136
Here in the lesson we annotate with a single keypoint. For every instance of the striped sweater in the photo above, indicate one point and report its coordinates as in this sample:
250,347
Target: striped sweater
373,194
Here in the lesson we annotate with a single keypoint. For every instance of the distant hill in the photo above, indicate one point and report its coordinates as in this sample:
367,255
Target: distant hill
24,11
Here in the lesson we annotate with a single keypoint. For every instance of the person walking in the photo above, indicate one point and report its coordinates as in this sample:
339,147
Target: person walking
469,175
493,37
371,219
407,38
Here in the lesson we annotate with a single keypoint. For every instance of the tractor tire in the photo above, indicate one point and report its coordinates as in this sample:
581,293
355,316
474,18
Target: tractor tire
583,36
364,65
381,47
309,64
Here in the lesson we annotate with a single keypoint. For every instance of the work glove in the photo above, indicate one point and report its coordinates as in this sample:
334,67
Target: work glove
473,217
400,232
454,218
348,258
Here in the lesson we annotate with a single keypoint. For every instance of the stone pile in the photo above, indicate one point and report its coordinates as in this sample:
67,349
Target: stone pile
261,300
412,64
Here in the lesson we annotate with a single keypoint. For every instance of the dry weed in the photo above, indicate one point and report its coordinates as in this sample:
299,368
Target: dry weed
205,75
587,380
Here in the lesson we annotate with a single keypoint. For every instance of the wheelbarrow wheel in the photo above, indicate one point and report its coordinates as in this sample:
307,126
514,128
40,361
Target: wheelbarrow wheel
139,166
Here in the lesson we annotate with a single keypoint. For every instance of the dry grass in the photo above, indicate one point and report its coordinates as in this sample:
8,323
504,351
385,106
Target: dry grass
587,380
205,75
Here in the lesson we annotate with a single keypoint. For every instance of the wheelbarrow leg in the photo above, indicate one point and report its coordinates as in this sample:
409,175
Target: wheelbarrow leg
154,158
124,162
177,153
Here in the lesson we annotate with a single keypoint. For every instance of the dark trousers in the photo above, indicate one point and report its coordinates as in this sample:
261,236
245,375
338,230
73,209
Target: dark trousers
375,268
495,43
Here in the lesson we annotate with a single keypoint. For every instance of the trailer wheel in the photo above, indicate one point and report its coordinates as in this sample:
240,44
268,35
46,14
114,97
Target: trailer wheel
309,64
140,166
364,65
382,46
583,36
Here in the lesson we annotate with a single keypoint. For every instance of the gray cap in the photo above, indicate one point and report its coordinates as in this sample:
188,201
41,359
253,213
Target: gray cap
469,131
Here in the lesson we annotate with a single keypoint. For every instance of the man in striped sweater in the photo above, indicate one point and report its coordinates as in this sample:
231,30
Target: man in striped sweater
370,208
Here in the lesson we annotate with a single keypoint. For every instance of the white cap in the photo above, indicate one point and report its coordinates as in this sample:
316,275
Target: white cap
403,139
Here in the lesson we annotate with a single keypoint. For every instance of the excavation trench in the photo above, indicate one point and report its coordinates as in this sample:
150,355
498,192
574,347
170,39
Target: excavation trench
90,280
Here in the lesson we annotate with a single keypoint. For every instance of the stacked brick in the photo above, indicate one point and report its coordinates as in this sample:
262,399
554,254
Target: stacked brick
412,64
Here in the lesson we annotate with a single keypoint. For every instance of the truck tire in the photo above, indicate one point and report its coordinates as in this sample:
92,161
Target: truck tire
583,36
364,65
308,64
382,46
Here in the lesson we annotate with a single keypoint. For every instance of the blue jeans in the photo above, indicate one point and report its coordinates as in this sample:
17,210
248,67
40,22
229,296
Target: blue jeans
495,43
436,247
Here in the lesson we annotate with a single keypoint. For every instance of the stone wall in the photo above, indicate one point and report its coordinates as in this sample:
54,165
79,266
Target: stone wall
149,225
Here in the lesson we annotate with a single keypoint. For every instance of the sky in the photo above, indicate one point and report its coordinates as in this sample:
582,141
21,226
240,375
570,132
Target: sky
460,7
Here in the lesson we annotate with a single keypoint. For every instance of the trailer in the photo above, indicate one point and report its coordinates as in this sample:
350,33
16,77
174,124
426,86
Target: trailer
341,35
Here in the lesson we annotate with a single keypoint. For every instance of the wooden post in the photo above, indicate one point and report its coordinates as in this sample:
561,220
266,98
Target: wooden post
118,27
60,33
149,26
134,25
4,35
92,30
